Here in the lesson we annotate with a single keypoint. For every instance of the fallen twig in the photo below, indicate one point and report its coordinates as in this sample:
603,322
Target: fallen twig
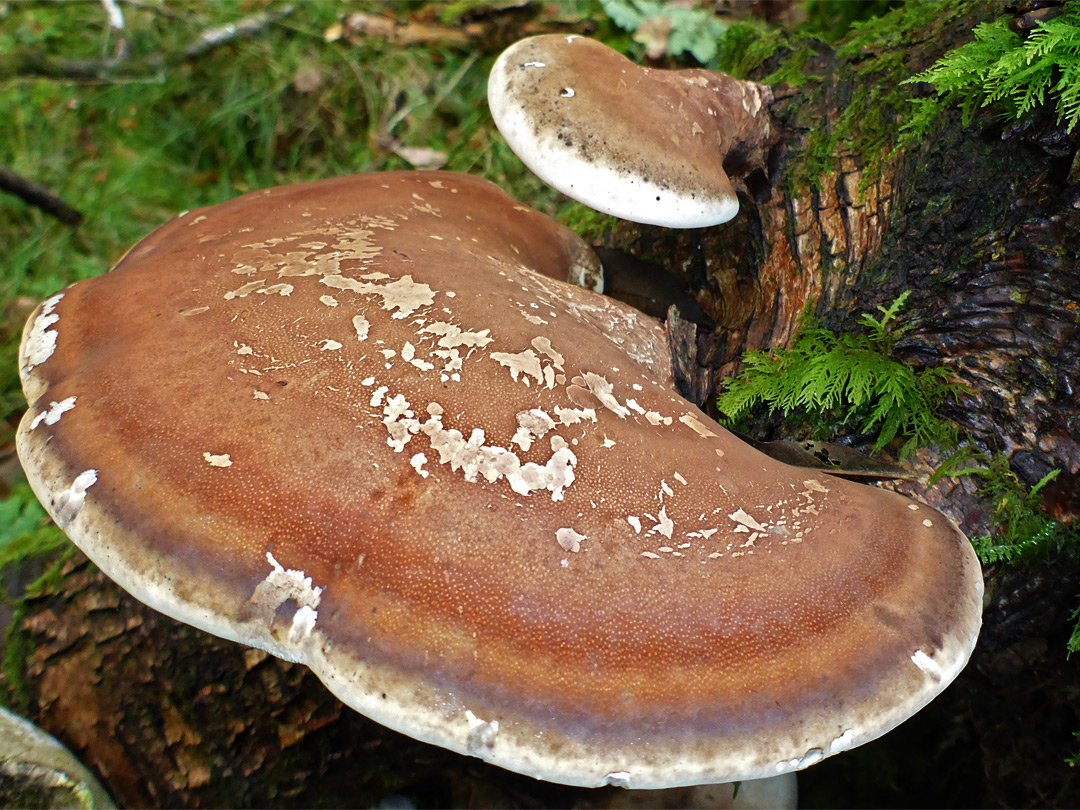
39,197
249,26
116,16
116,26
395,31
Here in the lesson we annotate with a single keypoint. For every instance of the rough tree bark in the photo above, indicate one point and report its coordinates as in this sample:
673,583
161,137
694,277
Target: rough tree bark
981,223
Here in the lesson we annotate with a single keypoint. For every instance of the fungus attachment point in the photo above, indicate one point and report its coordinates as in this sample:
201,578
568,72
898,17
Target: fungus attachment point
642,144
485,518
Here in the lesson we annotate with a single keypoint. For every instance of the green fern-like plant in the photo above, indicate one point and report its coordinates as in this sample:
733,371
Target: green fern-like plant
850,378
1021,531
1000,68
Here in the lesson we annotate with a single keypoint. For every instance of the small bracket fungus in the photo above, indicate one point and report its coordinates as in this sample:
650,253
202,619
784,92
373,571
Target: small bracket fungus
486,519
651,146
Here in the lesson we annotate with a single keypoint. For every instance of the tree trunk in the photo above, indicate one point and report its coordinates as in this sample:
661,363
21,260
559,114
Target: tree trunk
980,223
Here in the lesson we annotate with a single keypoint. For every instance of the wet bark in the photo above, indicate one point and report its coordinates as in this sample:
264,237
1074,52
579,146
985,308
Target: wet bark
981,223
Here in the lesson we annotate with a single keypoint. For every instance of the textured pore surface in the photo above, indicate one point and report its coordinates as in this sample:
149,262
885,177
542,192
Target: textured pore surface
361,424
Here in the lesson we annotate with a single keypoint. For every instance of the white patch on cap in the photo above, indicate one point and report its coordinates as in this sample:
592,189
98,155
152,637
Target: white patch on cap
401,430
696,425
40,340
451,336
571,416
927,665
664,524
222,460
618,779
843,742
543,345
418,462
482,735
635,523
569,539
329,345
740,516
279,289
69,503
532,425
245,290
753,105
329,300
525,363
283,584
361,325
303,623
403,294
814,755
475,458
56,410
600,388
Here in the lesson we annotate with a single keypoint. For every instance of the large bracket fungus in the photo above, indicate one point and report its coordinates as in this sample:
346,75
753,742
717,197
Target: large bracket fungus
362,424
651,146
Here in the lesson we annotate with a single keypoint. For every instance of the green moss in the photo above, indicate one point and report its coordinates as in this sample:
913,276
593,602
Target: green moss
896,29
51,549
877,53
848,379
1013,75
831,20
747,45
17,646
814,157
1021,532
792,70
590,224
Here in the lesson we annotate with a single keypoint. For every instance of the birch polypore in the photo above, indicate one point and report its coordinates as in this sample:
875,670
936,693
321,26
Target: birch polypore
362,424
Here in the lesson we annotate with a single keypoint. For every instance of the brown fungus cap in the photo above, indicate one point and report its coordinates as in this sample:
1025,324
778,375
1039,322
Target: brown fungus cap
357,423
642,144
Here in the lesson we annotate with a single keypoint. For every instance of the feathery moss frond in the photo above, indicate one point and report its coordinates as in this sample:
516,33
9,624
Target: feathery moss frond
851,378
999,68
